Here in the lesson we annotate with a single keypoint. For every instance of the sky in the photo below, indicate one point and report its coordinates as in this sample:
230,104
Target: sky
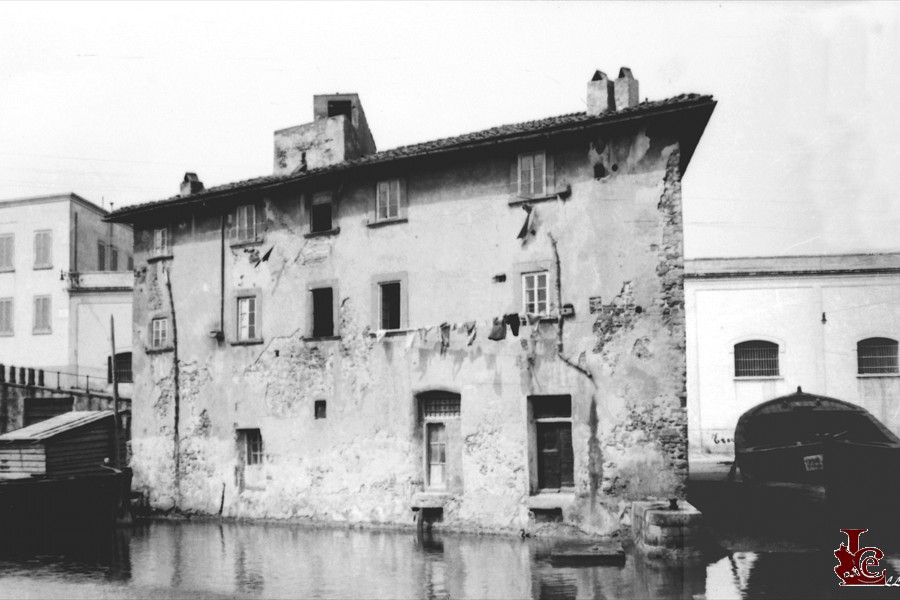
116,101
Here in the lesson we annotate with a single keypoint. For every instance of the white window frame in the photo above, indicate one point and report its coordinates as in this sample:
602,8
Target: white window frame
535,305
42,308
159,333
245,223
160,242
43,249
7,238
532,184
7,319
247,322
387,200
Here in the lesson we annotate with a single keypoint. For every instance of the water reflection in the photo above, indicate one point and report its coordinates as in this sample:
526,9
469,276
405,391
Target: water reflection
208,560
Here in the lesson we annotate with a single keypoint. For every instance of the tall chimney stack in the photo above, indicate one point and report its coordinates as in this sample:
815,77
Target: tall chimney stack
626,89
600,95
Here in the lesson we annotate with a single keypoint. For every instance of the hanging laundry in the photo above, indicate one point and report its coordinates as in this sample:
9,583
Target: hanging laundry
532,318
410,339
379,335
498,331
445,337
526,227
471,331
514,321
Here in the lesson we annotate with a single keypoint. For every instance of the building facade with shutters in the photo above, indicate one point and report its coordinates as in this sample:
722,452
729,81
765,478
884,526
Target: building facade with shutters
63,272
484,330
759,328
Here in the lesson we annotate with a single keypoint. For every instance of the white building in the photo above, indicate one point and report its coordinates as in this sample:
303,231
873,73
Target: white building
63,272
758,328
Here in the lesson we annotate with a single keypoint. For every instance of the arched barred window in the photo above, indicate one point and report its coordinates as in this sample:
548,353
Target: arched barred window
876,356
756,358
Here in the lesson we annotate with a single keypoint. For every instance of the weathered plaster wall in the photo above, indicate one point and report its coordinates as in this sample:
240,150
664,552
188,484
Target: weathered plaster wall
619,245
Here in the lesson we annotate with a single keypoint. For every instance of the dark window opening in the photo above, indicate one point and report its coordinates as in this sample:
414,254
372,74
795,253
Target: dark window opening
756,358
320,215
551,407
320,409
547,515
101,256
323,319
340,107
876,356
390,305
252,446
123,368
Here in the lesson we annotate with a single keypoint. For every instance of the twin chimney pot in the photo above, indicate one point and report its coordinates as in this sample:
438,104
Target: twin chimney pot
191,184
605,95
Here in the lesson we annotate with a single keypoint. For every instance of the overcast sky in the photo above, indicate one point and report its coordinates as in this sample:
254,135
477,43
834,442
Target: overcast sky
115,101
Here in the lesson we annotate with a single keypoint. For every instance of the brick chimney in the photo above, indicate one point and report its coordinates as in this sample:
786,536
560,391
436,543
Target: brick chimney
600,94
191,184
626,89
339,132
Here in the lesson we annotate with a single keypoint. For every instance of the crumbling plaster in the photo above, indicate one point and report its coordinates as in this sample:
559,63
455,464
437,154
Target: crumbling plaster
619,240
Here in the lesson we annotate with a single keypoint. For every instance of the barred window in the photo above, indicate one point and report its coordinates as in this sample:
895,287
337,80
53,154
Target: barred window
756,358
440,407
123,368
876,356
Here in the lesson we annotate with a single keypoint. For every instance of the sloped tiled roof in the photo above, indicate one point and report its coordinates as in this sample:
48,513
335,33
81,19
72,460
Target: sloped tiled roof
502,133
55,426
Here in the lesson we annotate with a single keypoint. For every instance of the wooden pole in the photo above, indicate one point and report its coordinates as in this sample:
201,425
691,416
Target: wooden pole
115,389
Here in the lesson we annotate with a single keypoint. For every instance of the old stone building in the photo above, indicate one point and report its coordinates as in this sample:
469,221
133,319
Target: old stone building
486,329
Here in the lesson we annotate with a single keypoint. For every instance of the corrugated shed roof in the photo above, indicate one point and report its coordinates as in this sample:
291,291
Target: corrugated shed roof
470,140
55,426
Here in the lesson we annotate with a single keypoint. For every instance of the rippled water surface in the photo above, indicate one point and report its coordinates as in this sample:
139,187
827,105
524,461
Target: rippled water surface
210,560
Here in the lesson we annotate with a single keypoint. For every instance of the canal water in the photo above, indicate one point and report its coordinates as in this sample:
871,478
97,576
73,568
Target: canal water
204,559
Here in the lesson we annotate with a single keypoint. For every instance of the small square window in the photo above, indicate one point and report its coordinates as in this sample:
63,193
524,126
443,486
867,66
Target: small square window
159,333
43,249
245,223
321,213
7,243
320,409
532,174
388,200
42,314
247,318
535,292
323,312
160,242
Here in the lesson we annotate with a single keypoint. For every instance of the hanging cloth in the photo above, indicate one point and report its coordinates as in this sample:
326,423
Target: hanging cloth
445,337
498,331
471,332
527,225
532,318
410,339
513,321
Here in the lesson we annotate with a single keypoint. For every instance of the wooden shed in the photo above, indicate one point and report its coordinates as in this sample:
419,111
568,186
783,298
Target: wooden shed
71,444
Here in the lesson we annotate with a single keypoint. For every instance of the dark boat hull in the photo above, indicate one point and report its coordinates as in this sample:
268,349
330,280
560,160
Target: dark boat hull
83,502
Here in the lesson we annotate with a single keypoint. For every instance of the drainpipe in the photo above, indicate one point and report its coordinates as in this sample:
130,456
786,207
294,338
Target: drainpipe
177,394
222,282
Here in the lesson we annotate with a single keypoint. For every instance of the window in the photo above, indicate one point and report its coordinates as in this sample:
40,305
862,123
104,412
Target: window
245,223
320,212
323,312
390,305
553,434
756,358
340,107
440,412
42,314
534,292
387,200
130,263
101,256
43,247
123,368
159,333
320,409
532,174
7,243
252,442
876,356
247,319
113,258
6,316
160,242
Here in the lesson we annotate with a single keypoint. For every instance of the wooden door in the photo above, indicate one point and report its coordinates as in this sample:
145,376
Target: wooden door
555,461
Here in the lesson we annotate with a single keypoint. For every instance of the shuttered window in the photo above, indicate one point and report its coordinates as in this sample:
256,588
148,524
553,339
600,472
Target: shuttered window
388,200
113,258
532,174
7,246
756,358
43,253
6,316
876,356
42,314
160,242
101,256
245,223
